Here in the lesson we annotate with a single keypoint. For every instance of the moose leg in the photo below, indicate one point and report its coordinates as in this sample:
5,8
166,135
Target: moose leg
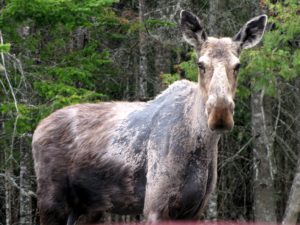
211,183
95,217
156,203
161,192
161,201
52,213
73,217
164,179
52,205
79,217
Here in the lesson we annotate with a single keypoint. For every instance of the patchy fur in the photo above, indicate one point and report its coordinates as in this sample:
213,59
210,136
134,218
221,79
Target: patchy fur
158,158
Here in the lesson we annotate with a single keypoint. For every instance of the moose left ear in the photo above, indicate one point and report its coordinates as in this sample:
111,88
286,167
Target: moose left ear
192,29
252,32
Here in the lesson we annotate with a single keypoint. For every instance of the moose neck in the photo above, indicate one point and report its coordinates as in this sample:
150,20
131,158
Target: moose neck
199,119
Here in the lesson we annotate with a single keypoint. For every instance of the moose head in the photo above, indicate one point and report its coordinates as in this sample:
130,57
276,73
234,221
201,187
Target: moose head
219,64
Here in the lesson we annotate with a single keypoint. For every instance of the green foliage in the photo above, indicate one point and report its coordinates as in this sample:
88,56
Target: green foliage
168,79
190,67
58,72
25,121
4,48
50,12
278,57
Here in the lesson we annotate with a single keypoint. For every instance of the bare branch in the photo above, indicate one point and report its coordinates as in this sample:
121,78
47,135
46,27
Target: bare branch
292,156
14,183
236,154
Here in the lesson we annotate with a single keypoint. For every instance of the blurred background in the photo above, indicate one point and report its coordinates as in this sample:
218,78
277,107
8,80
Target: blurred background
60,52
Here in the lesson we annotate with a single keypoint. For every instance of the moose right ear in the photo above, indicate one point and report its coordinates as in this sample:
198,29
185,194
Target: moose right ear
192,30
252,32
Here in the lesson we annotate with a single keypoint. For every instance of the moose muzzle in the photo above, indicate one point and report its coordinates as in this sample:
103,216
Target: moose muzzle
220,114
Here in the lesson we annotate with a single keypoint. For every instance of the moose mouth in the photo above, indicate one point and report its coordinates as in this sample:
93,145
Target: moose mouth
220,119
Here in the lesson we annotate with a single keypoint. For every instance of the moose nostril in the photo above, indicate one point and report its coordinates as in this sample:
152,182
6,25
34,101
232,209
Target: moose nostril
219,126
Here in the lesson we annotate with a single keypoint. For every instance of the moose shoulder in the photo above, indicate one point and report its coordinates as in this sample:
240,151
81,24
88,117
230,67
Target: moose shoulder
158,158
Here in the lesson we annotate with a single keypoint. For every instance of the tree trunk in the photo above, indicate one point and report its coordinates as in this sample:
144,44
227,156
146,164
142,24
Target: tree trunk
293,206
7,185
80,38
212,17
162,66
264,205
263,177
8,197
2,3
143,67
25,187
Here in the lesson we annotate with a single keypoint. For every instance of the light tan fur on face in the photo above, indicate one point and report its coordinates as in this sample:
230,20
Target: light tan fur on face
218,80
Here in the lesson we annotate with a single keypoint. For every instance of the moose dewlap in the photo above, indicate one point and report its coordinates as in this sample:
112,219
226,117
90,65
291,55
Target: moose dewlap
158,158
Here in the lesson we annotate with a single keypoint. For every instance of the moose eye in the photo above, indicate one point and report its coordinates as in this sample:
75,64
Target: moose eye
237,67
201,67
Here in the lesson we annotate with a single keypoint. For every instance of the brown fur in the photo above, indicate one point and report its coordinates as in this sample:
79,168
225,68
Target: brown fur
60,155
221,119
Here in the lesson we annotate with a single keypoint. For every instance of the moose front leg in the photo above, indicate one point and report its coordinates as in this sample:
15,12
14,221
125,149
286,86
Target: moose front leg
162,193
211,183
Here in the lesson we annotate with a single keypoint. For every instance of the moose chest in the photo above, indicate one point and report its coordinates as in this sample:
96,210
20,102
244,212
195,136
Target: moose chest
198,182
184,190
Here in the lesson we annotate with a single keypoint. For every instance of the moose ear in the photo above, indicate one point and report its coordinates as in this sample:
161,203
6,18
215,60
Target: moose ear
191,28
252,32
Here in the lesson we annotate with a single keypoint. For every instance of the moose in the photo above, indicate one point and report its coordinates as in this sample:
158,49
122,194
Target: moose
157,158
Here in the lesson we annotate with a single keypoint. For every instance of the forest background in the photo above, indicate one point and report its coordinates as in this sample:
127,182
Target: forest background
54,53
